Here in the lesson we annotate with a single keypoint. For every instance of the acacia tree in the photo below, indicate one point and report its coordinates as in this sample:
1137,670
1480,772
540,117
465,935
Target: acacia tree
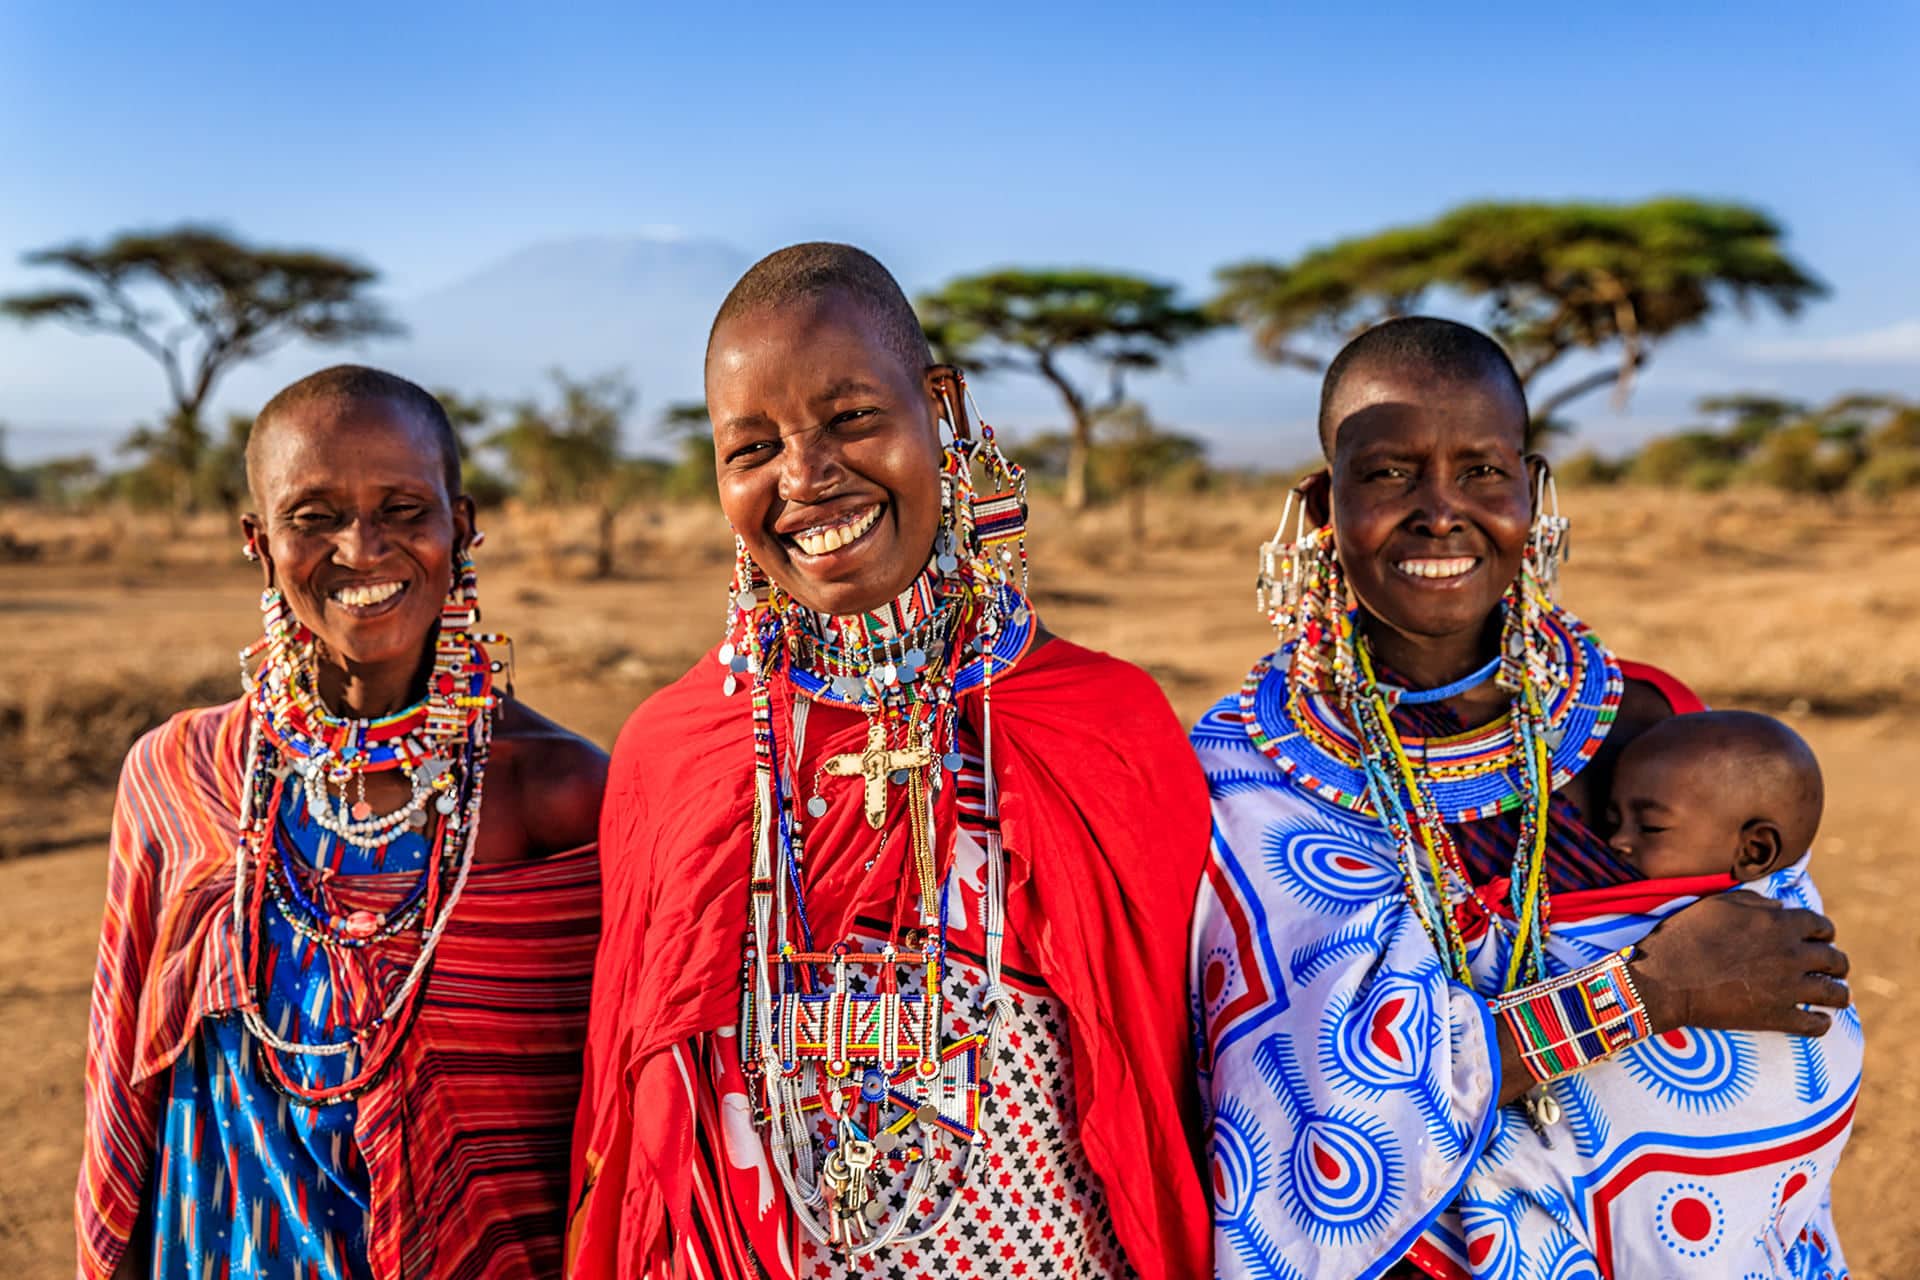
1550,280
225,302
569,452
1038,322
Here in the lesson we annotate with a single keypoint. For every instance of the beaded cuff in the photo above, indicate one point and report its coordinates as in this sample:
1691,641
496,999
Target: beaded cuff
1565,1023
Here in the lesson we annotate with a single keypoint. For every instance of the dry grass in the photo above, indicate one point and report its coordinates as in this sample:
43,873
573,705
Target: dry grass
1799,606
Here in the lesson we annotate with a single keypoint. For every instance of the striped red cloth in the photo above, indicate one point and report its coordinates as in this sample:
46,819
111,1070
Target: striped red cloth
465,1139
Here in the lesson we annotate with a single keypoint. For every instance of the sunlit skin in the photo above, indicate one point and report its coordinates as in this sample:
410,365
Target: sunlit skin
1678,814
1431,495
351,495
818,426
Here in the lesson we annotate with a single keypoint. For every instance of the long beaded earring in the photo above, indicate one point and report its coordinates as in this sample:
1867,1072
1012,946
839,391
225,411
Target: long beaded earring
1525,653
747,590
1303,594
282,639
984,500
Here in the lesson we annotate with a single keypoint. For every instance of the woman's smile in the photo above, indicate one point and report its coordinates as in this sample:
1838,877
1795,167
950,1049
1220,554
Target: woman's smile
840,538
368,599
1448,571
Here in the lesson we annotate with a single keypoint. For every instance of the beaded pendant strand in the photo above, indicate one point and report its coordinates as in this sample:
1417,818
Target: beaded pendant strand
440,744
1565,696
874,1058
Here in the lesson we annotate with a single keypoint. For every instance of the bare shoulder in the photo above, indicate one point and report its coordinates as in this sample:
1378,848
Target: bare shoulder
556,776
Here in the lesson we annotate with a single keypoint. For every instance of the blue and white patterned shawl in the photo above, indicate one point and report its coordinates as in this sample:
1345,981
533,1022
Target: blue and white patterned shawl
1353,1090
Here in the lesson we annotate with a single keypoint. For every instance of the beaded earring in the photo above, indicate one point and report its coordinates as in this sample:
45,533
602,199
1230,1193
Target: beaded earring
1524,646
983,498
1303,593
288,645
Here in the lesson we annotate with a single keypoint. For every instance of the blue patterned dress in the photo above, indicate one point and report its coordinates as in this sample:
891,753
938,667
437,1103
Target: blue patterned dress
252,1184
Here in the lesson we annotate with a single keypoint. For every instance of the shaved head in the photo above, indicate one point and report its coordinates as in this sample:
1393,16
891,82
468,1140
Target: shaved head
1446,350
350,382
808,272
1758,759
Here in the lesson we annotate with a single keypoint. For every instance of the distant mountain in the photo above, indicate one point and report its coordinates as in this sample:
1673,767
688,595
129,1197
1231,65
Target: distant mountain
635,302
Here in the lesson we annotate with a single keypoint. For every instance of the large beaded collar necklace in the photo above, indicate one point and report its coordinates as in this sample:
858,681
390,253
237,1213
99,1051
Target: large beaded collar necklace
440,744
1469,775
837,1035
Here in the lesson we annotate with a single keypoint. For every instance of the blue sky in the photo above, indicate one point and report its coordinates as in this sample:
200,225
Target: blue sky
1164,139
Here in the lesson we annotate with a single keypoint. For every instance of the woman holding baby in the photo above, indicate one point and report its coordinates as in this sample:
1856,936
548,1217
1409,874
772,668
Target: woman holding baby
1449,1027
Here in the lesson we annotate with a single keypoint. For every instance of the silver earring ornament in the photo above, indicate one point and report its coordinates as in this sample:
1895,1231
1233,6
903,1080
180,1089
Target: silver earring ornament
1525,654
1303,593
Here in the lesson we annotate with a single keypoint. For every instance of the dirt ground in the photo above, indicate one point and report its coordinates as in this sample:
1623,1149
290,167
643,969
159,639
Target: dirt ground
1803,609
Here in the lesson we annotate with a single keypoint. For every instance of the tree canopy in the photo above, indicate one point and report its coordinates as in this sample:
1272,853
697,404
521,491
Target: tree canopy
1040,321
1549,280
569,451
225,302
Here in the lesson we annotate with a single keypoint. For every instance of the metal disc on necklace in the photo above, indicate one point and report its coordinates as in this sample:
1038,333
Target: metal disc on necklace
899,777
952,761
726,654
887,673
947,563
927,1114
729,686
743,599
1020,616
1555,734
915,658
817,807
418,818
445,803
739,662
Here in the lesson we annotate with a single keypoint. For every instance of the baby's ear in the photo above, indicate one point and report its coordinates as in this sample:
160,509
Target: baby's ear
1762,849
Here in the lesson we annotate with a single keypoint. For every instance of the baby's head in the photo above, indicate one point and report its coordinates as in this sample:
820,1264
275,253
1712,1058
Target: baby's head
1715,792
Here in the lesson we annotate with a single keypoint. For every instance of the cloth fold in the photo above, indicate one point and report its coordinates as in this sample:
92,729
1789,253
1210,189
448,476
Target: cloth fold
1354,1084
1104,818
465,1138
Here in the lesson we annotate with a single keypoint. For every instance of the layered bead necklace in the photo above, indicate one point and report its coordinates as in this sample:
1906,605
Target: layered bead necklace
1566,691
837,1035
439,744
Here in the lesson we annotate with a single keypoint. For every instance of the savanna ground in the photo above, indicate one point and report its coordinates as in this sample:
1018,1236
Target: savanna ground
1793,606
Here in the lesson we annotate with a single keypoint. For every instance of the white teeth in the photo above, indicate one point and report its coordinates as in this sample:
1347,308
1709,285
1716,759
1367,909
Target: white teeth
1437,568
820,540
361,597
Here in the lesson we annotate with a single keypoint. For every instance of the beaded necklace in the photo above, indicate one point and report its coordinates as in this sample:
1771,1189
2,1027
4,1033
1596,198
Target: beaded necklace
877,1064
1354,757
440,743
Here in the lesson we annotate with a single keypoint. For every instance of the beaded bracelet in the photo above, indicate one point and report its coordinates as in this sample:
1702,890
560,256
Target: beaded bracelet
1564,1023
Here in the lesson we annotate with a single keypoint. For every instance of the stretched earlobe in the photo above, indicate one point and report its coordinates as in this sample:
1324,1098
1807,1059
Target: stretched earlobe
949,389
1316,495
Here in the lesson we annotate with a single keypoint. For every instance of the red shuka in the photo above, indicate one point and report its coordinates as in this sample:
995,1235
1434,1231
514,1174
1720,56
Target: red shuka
464,1137
1104,815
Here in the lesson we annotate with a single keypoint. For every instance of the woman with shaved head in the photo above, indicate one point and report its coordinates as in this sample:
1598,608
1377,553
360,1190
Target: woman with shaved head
1446,1031
897,883
341,995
